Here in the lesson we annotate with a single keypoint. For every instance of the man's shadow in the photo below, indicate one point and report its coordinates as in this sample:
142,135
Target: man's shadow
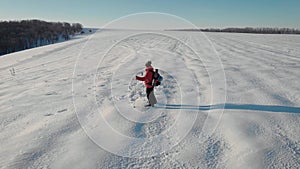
231,106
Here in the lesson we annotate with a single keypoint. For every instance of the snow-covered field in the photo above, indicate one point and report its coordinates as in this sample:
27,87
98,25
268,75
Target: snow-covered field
231,102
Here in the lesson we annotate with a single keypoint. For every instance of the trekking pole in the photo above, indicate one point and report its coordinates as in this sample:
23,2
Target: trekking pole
135,88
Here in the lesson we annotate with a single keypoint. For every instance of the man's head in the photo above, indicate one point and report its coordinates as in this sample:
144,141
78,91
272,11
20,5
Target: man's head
148,63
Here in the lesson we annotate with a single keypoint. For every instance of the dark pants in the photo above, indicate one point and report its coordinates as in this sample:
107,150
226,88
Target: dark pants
148,91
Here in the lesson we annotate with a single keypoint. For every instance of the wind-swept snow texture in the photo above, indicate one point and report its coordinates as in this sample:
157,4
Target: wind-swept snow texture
259,127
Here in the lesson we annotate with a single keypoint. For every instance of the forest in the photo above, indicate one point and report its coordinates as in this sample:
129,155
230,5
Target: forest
26,34
247,30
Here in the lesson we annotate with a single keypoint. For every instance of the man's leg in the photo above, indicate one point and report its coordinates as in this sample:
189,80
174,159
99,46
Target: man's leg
148,91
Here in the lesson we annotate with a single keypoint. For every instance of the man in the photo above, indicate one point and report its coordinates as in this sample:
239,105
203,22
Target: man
148,78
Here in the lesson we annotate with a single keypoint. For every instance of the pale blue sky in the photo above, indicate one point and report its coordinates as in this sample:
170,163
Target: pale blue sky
203,13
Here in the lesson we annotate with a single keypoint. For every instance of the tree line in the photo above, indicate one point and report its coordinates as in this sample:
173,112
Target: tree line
247,30
26,34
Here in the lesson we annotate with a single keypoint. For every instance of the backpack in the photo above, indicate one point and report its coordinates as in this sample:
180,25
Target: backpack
157,78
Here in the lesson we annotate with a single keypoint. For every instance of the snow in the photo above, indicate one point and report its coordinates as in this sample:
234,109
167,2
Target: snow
226,101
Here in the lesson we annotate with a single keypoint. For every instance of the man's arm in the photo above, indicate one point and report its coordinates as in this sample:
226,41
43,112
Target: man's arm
140,78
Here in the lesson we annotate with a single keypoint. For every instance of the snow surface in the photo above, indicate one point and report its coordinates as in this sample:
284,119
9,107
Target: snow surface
59,103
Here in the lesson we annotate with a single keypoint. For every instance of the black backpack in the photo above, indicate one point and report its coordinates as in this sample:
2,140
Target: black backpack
157,78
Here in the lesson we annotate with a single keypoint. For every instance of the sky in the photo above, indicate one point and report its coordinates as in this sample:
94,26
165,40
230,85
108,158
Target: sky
202,13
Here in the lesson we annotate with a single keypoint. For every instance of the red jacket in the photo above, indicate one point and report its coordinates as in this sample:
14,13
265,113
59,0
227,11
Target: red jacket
147,78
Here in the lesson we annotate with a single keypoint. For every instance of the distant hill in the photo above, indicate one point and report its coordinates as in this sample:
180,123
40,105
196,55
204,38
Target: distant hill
246,30
26,34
